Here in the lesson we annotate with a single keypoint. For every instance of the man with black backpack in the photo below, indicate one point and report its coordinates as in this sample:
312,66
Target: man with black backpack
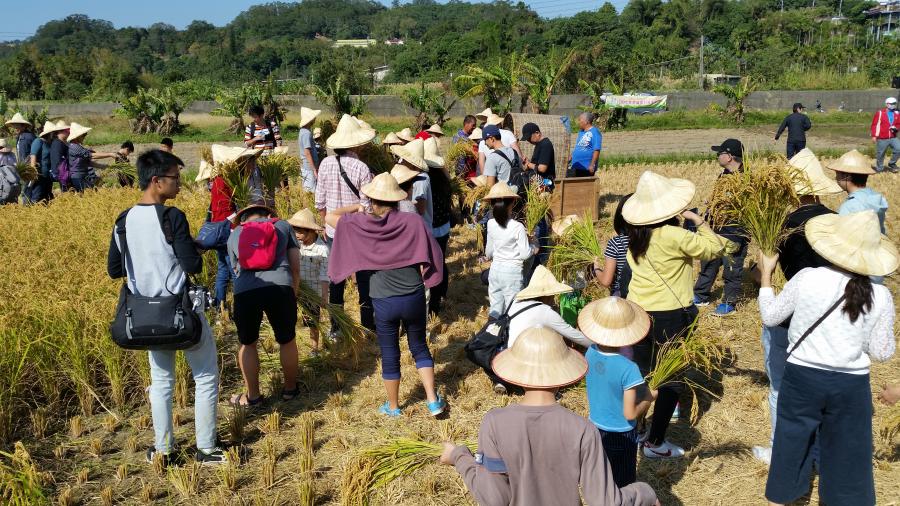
152,248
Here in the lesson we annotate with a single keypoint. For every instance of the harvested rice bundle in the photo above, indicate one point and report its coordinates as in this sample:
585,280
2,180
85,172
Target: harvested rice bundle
351,332
120,171
537,206
890,426
758,200
576,249
276,168
473,195
457,152
238,180
699,350
206,154
376,158
26,171
401,457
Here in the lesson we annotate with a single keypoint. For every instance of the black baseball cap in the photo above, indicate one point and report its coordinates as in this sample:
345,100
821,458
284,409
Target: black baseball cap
731,146
798,106
529,129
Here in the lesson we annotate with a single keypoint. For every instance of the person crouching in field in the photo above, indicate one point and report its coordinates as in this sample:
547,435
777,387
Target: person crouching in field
616,391
159,267
266,282
313,269
538,452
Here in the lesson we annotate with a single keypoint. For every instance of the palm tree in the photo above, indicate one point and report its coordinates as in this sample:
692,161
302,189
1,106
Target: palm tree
496,83
541,80
736,96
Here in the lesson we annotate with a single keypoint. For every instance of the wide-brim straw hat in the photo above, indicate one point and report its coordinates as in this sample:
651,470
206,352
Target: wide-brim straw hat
253,207
402,173
852,162
432,158
62,125
349,134
853,242
500,190
560,225
317,133
406,135
413,153
483,115
204,172
436,130
226,154
614,321
18,119
385,188
391,139
479,180
304,219
364,125
539,358
543,284
308,115
76,131
3,146
281,149
50,128
476,135
817,183
493,119
657,198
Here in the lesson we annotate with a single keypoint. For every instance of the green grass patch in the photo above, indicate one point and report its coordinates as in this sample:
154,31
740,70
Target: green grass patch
607,160
681,119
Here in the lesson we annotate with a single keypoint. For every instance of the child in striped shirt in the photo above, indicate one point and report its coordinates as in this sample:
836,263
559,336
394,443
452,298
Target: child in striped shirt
313,270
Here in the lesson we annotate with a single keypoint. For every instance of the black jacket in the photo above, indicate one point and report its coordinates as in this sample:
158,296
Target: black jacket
797,125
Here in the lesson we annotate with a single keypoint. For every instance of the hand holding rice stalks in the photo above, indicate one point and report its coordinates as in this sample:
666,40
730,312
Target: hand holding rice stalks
237,178
472,196
26,171
758,200
119,172
576,249
456,154
698,350
276,169
350,330
537,206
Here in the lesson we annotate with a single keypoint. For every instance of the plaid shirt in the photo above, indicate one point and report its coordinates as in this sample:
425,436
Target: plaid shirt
314,264
331,190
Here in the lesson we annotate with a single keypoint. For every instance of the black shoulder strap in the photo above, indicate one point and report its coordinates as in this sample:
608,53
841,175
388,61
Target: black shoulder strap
526,308
503,155
165,222
127,267
818,322
344,175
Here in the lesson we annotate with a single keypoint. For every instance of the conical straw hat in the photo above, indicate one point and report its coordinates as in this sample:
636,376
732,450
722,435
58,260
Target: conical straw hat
226,154
852,162
479,180
560,225
304,219
436,130
542,284
614,321
432,156
406,135
493,119
49,128
412,152
539,358
62,125
317,132
391,138
853,242
657,198
500,190
362,124
18,119
818,183
385,188
204,172
77,131
402,173
349,134
476,135
308,115
483,115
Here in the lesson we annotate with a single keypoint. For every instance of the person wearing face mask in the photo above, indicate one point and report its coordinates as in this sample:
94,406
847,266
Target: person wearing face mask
885,124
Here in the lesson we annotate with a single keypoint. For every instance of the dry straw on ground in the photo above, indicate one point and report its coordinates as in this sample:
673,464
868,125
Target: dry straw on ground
57,304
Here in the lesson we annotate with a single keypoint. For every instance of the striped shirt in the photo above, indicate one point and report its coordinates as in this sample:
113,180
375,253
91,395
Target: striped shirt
332,191
617,248
270,132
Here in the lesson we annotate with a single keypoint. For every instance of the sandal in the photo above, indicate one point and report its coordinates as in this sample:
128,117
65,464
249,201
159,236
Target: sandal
251,403
289,395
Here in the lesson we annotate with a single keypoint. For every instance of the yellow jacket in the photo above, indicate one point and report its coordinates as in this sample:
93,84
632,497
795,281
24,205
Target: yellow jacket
664,278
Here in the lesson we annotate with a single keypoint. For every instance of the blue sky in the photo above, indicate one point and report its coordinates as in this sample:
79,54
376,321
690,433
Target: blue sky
23,18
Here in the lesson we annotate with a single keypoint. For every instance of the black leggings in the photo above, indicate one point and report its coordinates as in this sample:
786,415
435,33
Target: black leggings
665,326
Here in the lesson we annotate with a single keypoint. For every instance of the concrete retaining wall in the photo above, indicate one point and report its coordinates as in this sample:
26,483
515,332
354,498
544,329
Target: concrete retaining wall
389,105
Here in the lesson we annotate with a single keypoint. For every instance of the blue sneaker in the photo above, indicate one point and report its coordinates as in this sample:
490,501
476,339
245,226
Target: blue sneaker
700,303
724,309
437,407
386,410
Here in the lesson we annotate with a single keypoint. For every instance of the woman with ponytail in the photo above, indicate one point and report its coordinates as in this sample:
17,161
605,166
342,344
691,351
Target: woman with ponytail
840,322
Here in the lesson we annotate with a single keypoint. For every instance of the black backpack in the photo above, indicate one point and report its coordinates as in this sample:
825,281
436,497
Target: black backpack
518,176
492,338
166,322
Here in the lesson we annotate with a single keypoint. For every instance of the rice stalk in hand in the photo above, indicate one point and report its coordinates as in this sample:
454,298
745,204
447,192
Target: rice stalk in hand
697,349
537,206
401,457
576,249
26,171
351,331
376,158
670,362
457,153
276,168
237,178
117,172
757,200
206,154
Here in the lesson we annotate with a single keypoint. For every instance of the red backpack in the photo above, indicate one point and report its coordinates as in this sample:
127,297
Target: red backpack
257,245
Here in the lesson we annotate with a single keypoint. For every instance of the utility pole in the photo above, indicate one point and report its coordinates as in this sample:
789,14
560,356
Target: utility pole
702,77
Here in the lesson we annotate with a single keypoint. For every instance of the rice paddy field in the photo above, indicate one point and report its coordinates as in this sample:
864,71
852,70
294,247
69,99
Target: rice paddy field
76,403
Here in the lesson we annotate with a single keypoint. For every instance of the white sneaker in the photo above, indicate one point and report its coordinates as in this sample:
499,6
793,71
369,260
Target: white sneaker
763,454
664,451
499,388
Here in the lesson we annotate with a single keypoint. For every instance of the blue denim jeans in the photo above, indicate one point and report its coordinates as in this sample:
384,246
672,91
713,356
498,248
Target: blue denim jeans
203,362
504,282
224,274
775,344
390,312
881,147
79,183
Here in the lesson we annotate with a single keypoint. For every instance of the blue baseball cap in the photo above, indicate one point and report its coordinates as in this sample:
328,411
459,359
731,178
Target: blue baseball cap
490,131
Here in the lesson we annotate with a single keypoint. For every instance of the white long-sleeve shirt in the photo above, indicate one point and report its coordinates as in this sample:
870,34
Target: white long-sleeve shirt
836,344
544,316
507,245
